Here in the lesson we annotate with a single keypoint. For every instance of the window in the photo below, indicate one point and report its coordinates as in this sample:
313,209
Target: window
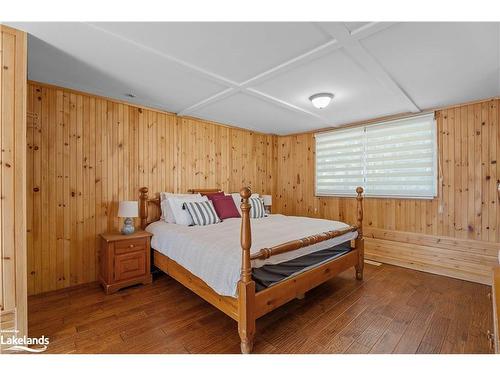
390,159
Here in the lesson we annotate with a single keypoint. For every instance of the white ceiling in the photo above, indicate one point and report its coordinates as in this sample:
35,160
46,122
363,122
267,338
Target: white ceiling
259,75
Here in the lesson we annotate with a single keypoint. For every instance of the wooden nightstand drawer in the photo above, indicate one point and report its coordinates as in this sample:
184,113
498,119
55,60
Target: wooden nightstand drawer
125,260
128,246
130,265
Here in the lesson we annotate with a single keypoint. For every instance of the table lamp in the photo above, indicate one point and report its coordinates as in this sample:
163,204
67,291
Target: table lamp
268,202
128,210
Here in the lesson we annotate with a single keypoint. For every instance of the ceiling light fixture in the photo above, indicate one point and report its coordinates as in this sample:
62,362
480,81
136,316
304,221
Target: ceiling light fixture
321,100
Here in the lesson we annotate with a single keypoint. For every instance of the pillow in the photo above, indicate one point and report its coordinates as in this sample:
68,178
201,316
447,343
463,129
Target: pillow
257,211
182,216
202,213
166,210
237,199
225,207
211,196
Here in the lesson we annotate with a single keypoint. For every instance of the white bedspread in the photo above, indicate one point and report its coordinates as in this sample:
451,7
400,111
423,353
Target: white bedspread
213,252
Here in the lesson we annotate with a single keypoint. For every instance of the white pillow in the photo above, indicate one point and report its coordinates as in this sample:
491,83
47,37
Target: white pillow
237,199
182,216
166,210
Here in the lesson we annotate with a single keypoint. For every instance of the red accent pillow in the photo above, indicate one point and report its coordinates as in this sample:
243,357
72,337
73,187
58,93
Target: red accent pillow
225,207
212,196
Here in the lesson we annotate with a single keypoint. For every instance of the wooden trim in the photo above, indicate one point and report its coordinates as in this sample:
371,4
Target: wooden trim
453,257
229,126
204,191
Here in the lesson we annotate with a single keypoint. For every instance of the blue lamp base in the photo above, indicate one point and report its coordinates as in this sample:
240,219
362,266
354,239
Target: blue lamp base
128,226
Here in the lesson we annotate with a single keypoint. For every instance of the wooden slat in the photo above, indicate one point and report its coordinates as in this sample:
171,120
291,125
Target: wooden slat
9,168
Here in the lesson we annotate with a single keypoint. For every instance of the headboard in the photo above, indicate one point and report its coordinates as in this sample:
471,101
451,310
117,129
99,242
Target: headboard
148,216
203,191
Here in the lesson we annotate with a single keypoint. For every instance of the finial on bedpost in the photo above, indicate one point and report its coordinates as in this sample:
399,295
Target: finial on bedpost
359,198
143,207
246,235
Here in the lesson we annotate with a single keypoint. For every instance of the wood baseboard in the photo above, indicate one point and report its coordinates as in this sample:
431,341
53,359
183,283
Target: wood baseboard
459,258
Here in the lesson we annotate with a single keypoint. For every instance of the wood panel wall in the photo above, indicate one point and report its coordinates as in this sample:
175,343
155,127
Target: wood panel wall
456,234
13,297
87,153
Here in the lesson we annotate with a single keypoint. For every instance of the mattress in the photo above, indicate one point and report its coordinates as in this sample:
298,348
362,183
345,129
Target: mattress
213,252
271,274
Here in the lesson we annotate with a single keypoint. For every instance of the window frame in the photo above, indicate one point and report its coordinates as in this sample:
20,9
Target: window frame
368,195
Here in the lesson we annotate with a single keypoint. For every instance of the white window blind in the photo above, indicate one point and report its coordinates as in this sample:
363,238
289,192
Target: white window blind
391,159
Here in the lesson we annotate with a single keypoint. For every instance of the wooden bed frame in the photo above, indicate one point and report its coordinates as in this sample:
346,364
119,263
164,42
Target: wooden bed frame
250,305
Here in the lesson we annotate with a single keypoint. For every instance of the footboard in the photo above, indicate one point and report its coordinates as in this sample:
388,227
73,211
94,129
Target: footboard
252,305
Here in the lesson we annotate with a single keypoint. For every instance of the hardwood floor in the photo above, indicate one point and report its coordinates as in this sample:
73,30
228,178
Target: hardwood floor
394,310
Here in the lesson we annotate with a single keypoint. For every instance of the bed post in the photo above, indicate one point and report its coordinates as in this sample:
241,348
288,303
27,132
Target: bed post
143,207
246,286
360,241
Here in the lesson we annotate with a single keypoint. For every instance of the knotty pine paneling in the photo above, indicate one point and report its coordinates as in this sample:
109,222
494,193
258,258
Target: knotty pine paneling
13,296
87,153
456,234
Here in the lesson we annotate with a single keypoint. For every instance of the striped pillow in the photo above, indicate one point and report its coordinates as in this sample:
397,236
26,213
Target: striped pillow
257,211
202,213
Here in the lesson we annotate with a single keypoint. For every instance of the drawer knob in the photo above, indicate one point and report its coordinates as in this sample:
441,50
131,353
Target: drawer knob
131,245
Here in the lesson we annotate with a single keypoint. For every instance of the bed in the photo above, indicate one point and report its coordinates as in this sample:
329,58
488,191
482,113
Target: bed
274,260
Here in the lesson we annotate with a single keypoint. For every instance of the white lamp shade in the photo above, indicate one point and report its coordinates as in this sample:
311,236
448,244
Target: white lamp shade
268,200
128,209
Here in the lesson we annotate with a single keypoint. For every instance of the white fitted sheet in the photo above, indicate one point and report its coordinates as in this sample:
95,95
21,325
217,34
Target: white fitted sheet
213,252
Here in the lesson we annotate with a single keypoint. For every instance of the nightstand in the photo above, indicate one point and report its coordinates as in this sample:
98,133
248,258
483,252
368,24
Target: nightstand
124,260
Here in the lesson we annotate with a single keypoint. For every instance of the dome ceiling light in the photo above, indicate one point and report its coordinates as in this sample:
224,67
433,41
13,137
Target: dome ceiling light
321,100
